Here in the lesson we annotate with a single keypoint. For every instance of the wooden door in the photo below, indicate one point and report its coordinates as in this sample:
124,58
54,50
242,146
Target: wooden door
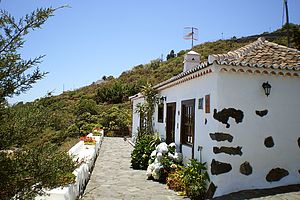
187,121
170,123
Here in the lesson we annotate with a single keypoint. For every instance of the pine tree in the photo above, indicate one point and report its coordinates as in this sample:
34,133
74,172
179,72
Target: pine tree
24,171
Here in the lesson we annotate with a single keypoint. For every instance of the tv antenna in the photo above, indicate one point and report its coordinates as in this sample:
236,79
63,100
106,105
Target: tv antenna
285,5
50,93
191,33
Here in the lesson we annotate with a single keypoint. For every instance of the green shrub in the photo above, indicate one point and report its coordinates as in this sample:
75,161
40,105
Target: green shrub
175,180
73,131
141,153
30,171
195,179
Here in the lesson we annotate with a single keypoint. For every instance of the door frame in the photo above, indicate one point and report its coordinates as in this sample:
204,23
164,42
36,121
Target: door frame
170,127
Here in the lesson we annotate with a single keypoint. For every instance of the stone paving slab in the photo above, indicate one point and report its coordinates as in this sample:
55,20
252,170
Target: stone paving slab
112,177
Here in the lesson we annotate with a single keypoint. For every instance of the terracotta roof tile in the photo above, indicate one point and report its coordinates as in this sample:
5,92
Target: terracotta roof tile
261,52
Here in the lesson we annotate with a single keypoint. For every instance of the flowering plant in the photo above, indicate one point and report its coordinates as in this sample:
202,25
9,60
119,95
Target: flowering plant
97,131
163,160
88,140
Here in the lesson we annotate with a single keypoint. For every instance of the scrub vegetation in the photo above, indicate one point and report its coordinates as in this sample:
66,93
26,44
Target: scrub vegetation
36,135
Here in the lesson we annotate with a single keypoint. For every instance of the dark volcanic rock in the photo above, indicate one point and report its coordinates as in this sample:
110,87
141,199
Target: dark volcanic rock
269,142
299,142
205,121
211,191
261,113
276,174
223,115
221,137
219,167
228,150
246,168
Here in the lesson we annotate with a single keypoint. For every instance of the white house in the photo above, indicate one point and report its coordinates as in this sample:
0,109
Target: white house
239,112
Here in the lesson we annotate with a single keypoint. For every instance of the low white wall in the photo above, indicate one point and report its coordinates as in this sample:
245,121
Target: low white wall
85,154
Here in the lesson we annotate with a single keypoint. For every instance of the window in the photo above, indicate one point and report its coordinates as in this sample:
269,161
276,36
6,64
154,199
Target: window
200,103
207,103
160,117
187,121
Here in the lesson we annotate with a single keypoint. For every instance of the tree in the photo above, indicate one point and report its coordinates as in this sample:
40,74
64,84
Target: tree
171,55
104,78
25,171
112,92
87,106
13,76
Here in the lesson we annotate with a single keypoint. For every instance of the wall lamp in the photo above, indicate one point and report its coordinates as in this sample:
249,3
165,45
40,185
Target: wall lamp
162,99
267,88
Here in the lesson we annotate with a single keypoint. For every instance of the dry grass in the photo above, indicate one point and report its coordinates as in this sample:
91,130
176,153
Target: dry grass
68,144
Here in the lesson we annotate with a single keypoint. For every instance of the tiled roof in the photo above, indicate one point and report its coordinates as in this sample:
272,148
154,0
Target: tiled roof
260,53
182,74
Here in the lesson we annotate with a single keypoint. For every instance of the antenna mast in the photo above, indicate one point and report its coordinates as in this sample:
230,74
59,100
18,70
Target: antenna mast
191,33
287,22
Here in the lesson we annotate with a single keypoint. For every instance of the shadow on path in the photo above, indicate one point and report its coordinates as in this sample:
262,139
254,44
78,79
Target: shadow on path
290,192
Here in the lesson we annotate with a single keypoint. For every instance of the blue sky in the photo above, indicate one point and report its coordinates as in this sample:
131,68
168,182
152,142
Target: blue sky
106,37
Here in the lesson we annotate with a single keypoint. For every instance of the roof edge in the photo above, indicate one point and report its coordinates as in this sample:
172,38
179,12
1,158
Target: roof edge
136,96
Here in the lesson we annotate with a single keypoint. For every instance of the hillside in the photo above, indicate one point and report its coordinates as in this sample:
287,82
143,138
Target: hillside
62,119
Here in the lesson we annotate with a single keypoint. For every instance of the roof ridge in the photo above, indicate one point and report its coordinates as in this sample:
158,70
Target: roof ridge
282,46
238,52
258,54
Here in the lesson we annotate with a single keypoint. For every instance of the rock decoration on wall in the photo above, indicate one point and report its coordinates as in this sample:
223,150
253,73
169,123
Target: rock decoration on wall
228,150
211,191
269,142
219,167
276,174
221,137
246,168
261,113
223,115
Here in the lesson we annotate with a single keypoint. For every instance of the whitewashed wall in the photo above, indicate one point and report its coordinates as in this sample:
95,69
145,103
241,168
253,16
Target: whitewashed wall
244,91
193,89
135,117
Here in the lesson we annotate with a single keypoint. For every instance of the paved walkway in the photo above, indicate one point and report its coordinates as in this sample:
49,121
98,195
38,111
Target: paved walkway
291,192
113,179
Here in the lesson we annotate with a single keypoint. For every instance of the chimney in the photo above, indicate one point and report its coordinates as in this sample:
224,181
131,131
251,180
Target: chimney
191,61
